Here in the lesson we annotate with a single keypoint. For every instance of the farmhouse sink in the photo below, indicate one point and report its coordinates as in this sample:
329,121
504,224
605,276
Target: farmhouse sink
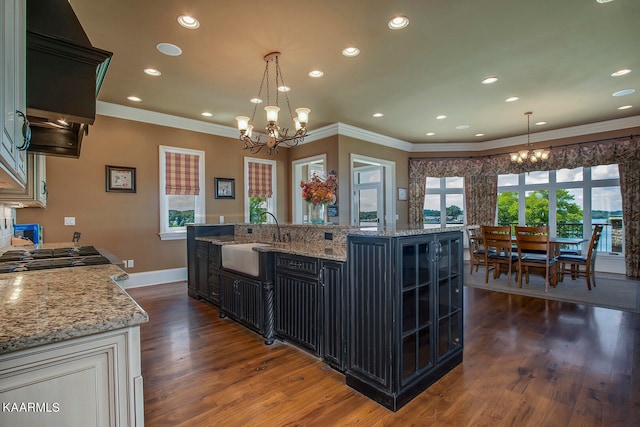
242,258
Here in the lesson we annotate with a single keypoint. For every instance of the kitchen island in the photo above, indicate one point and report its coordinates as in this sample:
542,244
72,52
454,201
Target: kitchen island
384,306
69,348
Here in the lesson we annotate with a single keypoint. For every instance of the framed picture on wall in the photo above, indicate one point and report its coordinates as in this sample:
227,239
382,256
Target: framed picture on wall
402,193
121,179
225,188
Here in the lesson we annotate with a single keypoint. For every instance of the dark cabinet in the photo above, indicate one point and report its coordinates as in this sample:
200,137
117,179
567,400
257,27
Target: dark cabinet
215,262
193,232
405,313
202,268
309,294
241,299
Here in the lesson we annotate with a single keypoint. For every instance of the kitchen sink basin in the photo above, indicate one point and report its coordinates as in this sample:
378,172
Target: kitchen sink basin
242,258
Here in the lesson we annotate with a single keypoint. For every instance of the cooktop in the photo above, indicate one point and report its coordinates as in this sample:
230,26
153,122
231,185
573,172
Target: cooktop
41,259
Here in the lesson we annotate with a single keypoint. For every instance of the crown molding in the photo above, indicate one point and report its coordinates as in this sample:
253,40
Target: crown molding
343,129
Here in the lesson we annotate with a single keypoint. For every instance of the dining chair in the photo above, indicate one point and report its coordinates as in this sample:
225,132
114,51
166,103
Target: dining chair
476,248
498,250
535,251
578,261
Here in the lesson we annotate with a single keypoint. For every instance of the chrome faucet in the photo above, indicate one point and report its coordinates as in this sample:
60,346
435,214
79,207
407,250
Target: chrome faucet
278,239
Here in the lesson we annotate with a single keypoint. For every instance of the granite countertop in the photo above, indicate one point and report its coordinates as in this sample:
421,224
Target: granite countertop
47,306
315,250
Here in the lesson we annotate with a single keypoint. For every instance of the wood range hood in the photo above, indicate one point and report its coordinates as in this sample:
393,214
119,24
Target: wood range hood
63,76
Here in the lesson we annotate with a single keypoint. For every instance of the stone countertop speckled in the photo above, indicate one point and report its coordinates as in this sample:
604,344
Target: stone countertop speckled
47,306
315,250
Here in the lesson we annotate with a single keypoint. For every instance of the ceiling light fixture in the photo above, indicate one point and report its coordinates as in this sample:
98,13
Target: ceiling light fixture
351,51
152,72
398,22
430,133
134,98
489,80
207,114
620,72
188,22
169,49
378,115
441,117
316,74
625,107
624,92
511,99
275,135
529,156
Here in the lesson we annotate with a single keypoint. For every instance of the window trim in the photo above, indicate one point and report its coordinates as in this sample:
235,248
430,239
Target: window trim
273,201
200,200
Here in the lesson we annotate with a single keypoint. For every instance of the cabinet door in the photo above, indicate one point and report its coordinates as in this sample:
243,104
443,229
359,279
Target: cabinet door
416,298
332,280
202,268
227,294
297,310
213,289
248,303
449,315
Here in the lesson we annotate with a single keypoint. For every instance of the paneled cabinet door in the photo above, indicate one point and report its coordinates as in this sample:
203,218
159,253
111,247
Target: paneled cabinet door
202,268
241,298
334,335
13,156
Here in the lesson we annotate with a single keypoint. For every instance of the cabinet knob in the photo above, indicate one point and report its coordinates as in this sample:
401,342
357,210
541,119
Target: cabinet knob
26,132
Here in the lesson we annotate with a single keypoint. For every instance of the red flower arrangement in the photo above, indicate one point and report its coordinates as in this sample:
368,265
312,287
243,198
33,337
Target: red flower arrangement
317,191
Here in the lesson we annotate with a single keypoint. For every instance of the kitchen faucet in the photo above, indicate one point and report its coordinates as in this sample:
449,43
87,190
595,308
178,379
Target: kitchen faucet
279,239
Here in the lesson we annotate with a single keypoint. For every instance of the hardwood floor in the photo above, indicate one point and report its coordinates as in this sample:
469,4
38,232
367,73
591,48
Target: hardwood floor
527,362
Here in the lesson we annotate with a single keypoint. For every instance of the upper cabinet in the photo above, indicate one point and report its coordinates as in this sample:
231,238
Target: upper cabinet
34,194
15,128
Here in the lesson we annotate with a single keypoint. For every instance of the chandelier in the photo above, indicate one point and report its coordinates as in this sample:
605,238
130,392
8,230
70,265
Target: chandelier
275,134
529,155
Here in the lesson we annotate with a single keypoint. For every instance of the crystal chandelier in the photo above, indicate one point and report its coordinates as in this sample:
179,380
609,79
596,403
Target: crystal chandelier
275,134
529,155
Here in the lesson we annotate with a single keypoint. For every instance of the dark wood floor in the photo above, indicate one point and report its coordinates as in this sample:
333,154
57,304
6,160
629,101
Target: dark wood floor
527,362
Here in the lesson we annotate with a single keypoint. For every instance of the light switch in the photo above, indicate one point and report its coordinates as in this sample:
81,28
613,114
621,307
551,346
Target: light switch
69,220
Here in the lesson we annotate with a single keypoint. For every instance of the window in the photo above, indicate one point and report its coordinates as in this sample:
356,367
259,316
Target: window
570,201
444,202
181,191
260,191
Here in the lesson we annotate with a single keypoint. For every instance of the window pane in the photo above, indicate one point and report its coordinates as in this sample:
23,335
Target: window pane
181,210
604,172
537,208
569,175
431,211
433,182
510,179
606,203
455,212
508,208
539,177
258,206
454,182
368,176
569,212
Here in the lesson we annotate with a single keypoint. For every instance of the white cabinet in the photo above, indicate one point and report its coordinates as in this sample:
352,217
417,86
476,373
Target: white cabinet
34,194
90,381
13,158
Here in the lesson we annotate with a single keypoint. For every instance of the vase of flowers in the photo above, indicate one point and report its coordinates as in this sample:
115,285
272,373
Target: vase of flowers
319,193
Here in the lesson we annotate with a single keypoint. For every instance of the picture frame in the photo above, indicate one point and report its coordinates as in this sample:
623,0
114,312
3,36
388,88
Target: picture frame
225,188
402,193
120,179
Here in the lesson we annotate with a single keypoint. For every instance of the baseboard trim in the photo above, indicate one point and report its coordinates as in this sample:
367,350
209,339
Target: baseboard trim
157,277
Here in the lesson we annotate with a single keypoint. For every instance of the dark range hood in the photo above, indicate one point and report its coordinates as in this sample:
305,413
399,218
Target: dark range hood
64,74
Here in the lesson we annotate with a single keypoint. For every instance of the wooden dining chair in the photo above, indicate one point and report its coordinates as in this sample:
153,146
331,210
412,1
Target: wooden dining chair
498,250
476,248
535,251
576,262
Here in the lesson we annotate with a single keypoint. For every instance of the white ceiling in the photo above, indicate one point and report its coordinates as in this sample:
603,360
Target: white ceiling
556,56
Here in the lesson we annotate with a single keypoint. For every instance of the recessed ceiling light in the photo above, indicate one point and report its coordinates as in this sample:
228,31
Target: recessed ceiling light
479,134
623,92
316,74
207,114
134,98
284,89
152,72
489,80
621,72
351,51
625,107
604,1
441,117
398,22
431,133
169,49
188,22
256,100
462,127
511,99
378,115
540,123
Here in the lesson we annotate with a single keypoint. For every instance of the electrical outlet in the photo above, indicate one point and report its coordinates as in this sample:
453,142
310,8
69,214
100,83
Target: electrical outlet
129,263
221,219
69,220
328,236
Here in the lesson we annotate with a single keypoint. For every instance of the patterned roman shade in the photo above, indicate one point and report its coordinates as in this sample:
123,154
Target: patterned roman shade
183,173
260,180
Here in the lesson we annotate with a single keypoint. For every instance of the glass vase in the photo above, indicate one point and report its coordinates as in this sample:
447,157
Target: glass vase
316,213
